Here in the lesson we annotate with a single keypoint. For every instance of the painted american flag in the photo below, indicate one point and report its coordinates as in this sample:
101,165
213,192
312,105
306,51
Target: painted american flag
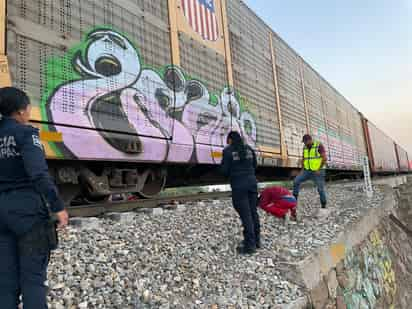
201,15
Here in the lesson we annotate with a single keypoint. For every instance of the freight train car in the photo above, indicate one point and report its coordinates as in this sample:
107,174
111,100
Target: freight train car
402,157
381,149
131,96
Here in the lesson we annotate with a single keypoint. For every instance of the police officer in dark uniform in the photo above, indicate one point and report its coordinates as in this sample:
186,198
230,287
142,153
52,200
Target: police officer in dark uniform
26,189
239,164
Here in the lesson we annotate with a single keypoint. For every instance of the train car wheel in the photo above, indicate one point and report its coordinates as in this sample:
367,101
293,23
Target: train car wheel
97,199
154,183
68,192
90,198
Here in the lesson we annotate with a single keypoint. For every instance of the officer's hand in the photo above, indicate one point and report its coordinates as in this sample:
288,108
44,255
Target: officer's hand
63,217
317,173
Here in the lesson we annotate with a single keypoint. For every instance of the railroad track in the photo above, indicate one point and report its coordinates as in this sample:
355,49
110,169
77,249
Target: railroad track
94,210
98,209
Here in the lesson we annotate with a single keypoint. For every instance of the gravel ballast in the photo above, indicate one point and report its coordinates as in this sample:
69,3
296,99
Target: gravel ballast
188,259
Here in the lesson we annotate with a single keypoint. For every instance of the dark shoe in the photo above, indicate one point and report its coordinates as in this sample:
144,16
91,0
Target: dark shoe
242,250
323,205
258,244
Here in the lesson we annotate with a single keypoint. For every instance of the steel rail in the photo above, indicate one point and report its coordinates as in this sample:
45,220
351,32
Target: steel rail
98,209
94,210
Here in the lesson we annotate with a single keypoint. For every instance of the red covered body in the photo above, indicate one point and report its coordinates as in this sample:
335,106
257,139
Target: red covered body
278,201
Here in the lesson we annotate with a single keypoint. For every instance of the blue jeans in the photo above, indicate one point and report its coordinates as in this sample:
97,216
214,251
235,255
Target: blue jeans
319,181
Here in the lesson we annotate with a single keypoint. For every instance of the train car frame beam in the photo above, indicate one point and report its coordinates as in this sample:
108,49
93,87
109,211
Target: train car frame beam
5,78
283,149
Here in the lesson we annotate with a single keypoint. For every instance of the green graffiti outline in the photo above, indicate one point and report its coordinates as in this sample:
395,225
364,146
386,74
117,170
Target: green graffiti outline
59,70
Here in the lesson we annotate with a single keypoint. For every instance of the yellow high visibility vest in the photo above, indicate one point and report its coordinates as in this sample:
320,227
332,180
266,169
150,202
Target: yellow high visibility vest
312,160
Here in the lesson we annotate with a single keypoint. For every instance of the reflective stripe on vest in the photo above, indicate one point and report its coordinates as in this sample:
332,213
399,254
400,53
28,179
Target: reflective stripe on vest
312,158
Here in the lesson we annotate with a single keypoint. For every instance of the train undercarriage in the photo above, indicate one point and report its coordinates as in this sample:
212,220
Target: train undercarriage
94,182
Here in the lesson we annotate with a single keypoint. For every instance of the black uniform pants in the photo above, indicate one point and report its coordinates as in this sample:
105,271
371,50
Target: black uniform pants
245,203
20,274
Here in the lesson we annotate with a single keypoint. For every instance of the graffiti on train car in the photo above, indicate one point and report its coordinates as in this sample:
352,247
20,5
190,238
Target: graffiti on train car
107,104
341,149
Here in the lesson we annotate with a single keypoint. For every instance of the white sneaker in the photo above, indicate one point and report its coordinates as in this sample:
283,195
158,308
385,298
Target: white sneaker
287,219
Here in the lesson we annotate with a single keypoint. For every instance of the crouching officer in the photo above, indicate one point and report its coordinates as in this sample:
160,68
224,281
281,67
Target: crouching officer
239,164
27,233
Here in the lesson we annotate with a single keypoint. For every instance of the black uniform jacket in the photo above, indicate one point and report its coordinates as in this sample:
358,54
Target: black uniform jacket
240,172
23,163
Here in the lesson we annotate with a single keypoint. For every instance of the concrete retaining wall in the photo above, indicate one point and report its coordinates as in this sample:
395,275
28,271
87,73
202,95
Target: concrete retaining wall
369,266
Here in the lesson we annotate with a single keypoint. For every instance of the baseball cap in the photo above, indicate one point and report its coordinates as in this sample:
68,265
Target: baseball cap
306,137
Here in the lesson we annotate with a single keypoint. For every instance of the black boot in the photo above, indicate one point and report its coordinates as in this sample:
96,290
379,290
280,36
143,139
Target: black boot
242,250
323,205
258,244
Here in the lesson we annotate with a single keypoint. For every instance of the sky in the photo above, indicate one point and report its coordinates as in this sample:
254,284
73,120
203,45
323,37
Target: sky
362,47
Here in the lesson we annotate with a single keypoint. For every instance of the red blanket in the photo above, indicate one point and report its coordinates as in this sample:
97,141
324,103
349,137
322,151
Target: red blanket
278,201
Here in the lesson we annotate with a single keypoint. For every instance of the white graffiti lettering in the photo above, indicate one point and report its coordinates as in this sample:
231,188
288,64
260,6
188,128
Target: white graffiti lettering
172,117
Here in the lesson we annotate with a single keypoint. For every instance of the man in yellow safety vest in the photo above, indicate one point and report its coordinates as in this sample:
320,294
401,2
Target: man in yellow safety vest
313,167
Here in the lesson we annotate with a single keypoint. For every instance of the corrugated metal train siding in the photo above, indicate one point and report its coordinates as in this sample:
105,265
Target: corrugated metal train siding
144,21
253,71
383,150
202,63
344,132
42,29
316,107
348,134
68,21
403,159
334,139
291,96
356,139
360,139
